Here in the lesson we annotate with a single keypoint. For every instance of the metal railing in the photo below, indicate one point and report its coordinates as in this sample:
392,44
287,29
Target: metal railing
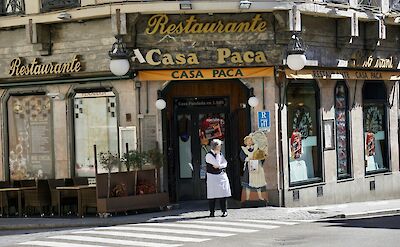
12,7
395,5
51,5
371,5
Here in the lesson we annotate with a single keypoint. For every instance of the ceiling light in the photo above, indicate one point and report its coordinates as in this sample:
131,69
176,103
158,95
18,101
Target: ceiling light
244,4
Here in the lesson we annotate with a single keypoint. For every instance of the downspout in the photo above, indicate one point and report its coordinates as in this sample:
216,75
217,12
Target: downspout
281,184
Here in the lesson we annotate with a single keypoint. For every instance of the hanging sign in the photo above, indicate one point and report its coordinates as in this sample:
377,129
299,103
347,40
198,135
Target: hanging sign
201,74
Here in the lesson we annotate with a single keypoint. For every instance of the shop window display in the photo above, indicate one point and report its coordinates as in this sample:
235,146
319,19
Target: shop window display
95,123
342,130
30,137
303,133
375,130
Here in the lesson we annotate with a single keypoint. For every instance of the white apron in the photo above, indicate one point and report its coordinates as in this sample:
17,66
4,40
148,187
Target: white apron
218,186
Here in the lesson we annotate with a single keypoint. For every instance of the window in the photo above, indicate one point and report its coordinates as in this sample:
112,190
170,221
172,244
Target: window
375,127
30,137
303,132
342,130
95,121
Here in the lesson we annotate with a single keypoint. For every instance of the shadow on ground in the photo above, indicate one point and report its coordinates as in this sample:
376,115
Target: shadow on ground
382,222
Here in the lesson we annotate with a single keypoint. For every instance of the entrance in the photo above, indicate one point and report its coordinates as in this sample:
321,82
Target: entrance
197,112
198,121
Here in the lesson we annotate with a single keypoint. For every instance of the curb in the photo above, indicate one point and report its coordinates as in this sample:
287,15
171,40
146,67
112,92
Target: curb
363,214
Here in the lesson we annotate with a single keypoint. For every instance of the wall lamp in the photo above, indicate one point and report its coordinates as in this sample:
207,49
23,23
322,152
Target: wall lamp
64,16
119,64
253,101
185,5
296,59
160,103
244,4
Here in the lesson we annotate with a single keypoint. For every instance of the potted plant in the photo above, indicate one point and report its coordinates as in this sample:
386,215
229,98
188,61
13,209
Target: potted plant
134,159
109,161
156,158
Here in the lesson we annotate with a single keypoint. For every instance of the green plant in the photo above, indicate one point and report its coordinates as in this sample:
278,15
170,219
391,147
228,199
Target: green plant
155,157
134,159
109,161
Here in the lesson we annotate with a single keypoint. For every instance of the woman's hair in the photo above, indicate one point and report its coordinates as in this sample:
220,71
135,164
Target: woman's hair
215,143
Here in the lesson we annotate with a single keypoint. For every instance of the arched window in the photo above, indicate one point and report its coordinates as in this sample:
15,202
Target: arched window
342,130
95,123
303,132
375,127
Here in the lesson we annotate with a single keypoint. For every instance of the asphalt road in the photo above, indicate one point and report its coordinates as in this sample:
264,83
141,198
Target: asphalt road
219,232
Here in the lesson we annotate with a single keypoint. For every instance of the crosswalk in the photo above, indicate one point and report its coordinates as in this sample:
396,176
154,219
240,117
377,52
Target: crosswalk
158,234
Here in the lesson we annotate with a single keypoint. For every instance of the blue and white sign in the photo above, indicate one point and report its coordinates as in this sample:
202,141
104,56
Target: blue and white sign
264,120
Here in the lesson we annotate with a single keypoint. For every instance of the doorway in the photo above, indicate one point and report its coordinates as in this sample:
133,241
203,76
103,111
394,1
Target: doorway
197,112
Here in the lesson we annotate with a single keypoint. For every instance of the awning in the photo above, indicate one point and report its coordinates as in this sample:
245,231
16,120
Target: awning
204,74
342,74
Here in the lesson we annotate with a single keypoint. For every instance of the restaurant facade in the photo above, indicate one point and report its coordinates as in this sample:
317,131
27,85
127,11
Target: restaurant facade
333,132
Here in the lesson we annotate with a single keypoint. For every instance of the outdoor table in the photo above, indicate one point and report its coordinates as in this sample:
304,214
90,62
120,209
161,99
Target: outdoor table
78,189
19,192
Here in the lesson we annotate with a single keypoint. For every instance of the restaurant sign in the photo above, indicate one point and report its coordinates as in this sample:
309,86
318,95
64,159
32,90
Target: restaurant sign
330,74
19,68
201,74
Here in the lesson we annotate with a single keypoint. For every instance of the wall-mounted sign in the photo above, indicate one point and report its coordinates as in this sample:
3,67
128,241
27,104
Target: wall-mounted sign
19,68
200,74
264,120
359,59
155,57
161,24
343,74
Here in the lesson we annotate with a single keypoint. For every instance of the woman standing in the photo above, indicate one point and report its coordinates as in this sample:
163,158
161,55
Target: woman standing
217,181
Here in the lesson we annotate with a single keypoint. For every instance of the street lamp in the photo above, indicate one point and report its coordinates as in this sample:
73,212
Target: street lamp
253,101
296,59
160,103
119,64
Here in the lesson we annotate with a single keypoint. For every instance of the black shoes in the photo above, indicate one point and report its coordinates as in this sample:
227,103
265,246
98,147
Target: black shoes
224,214
212,214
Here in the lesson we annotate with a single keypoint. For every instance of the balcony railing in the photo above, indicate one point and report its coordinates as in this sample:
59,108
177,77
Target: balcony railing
371,5
12,7
50,5
395,5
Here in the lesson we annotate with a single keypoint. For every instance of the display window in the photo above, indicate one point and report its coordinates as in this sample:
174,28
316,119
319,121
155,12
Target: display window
375,127
95,123
342,130
30,137
303,132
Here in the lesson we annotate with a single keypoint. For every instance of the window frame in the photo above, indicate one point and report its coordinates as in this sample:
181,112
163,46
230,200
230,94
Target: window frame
348,132
384,102
318,126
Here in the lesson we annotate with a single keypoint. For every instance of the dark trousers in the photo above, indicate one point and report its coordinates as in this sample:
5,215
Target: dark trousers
222,203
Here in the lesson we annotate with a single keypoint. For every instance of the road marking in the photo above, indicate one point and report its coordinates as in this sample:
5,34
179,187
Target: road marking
167,230
272,222
231,223
112,241
143,235
194,226
57,244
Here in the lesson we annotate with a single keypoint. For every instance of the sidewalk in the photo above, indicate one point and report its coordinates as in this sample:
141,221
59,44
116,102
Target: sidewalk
198,209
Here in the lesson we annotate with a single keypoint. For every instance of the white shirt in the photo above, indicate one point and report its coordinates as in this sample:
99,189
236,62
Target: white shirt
218,161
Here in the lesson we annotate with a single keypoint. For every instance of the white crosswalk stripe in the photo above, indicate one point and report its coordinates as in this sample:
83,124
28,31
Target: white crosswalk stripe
113,241
274,222
167,230
226,223
194,226
157,234
143,235
57,244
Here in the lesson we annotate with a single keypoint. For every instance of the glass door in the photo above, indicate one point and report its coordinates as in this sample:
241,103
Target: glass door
194,131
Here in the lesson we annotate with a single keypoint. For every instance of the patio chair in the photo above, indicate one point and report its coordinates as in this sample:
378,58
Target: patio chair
4,199
38,197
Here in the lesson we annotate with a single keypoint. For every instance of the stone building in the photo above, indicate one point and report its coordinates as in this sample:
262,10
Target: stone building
333,125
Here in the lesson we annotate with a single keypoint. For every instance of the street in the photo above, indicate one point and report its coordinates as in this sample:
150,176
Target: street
230,231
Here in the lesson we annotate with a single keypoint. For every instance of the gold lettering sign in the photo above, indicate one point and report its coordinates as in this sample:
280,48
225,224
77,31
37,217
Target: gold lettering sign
326,74
160,24
17,68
